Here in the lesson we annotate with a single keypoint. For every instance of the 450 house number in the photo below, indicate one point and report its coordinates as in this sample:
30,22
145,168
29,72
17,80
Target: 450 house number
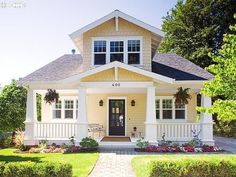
116,84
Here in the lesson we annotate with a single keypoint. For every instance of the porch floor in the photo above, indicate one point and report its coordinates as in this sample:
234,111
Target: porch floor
115,139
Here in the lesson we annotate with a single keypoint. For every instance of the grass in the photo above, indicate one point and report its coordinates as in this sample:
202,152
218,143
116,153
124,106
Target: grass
82,163
140,163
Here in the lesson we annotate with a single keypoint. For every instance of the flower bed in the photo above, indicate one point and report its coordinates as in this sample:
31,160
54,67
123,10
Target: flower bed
184,149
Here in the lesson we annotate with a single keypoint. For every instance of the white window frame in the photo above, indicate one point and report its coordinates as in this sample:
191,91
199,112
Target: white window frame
63,119
56,109
99,52
173,110
130,52
118,38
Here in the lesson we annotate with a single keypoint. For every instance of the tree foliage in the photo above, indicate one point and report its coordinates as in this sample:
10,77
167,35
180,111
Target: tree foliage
224,84
12,107
193,28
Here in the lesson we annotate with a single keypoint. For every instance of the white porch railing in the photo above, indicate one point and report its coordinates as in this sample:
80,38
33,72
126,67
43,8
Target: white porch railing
177,131
55,130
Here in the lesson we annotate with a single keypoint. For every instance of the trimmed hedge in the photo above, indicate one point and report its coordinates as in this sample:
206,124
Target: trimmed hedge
32,169
192,168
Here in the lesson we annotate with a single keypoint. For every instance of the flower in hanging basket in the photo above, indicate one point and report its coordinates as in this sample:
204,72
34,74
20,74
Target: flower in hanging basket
182,96
51,96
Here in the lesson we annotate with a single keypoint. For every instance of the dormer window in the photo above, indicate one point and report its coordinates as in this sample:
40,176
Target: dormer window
117,51
123,49
133,51
99,52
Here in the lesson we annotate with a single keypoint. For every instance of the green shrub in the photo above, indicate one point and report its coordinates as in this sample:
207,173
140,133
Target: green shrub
2,166
88,143
32,169
6,141
192,168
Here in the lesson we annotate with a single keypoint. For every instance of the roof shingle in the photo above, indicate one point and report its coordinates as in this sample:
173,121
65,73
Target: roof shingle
177,67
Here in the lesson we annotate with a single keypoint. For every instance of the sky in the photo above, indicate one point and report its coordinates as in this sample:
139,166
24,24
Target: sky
35,32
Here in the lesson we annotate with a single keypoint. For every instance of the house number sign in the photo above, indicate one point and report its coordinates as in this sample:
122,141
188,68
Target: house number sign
116,84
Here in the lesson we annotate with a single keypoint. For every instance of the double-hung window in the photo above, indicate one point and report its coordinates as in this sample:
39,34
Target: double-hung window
69,107
117,51
126,50
133,51
57,110
166,109
99,52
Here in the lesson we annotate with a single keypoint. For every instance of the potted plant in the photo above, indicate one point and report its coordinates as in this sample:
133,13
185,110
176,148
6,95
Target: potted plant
88,144
51,96
182,96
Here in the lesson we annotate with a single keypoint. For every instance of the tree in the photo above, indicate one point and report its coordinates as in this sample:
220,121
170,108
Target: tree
224,84
193,28
12,107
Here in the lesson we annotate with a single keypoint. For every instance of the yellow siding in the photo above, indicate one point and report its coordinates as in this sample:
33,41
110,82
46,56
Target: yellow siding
135,115
108,29
109,75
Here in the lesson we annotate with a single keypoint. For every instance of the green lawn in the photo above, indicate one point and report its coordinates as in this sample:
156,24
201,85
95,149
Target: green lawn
140,163
82,163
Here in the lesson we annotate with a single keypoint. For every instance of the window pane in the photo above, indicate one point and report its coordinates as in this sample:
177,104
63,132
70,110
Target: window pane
117,57
167,103
157,114
99,46
158,104
58,105
134,58
167,114
68,114
133,45
116,46
99,59
57,114
180,106
179,114
69,104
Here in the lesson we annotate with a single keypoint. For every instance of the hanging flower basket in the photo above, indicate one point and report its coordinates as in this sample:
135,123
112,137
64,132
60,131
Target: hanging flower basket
51,96
182,96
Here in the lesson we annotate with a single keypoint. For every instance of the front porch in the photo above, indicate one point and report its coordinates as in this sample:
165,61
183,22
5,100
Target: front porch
118,97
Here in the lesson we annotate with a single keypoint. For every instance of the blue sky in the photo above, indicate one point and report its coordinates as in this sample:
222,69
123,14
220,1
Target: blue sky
37,33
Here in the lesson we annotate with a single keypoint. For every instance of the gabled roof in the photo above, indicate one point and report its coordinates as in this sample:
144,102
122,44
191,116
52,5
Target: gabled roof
117,64
61,68
175,66
115,14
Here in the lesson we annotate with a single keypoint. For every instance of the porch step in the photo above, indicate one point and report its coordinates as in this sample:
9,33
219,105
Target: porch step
116,145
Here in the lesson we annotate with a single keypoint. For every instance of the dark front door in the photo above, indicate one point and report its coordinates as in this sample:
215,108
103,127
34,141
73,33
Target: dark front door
117,117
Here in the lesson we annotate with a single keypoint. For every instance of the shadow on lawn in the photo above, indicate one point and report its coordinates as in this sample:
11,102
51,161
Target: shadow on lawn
12,158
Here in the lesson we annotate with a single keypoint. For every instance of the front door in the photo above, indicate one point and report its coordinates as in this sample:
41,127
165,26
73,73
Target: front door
117,117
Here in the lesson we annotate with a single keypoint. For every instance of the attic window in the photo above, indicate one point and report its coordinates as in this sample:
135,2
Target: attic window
117,51
99,52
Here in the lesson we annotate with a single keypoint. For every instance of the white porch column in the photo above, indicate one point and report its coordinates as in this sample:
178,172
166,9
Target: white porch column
31,118
82,115
206,122
150,123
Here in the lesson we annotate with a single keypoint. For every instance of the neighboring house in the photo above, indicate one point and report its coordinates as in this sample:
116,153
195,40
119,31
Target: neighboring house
120,82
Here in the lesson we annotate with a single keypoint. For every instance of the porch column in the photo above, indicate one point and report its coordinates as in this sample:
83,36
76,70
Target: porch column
31,118
206,122
150,123
82,115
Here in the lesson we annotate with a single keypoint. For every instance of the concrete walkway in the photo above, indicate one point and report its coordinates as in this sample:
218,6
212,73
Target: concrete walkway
228,144
114,163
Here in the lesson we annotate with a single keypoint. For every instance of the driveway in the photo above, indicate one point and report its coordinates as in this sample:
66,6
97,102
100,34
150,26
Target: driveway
228,144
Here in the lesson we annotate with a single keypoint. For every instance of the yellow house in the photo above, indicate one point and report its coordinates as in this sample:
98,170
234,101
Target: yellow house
116,84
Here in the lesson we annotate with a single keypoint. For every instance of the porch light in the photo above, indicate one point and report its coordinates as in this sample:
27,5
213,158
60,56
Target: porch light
132,103
101,103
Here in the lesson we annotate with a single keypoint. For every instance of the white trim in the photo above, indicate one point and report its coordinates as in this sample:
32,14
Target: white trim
115,14
62,119
120,65
116,84
173,111
117,98
125,39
